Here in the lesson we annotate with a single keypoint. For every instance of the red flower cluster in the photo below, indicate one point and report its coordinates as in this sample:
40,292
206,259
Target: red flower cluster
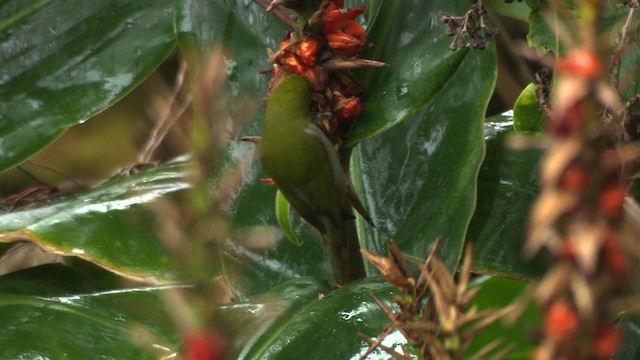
343,33
299,57
334,36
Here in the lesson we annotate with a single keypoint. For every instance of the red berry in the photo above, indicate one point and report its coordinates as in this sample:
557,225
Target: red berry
611,199
607,341
574,179
615,260
568,249
580,62
203,346
561,321
569,120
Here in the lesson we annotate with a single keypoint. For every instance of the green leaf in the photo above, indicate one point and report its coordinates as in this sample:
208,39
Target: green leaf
556,27
58,280
301,319
283,214
124,324
527,113
507,188
544,23
418,180
410,38
108,225
516,10
630,349
498,293
243,28
62,62
263,268
533,4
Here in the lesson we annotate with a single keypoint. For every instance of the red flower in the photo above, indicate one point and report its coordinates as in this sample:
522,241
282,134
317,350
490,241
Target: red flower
308,49
300,56
344,35
347,109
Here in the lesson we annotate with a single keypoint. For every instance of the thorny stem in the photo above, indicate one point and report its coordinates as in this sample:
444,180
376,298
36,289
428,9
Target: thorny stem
284,15
616,60
162,126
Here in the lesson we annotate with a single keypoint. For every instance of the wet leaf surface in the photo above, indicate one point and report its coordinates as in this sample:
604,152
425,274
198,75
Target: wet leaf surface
62,62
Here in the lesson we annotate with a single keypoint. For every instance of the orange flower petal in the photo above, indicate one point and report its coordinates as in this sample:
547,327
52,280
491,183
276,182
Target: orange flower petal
345,44
308,48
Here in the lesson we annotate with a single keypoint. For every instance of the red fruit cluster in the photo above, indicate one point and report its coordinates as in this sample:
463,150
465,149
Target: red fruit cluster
581,214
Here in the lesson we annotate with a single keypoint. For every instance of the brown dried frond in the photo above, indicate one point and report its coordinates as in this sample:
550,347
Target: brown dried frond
445,325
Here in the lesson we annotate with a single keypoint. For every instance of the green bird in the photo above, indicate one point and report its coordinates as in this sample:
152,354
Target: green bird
305,167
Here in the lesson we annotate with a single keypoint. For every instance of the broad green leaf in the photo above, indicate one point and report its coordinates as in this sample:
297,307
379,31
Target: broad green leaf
243,28
304,319
410,38
262,268
53,322
62,62
46,280
630,349
108,225
544,23
629,69
507,188
527,113
418,180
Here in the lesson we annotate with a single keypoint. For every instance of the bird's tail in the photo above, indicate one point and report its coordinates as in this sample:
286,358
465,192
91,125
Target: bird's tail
343,248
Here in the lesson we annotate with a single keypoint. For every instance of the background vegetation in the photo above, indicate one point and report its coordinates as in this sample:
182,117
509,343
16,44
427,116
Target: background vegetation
164,245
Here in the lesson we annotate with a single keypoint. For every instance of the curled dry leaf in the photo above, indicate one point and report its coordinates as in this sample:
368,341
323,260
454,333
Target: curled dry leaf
444,326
